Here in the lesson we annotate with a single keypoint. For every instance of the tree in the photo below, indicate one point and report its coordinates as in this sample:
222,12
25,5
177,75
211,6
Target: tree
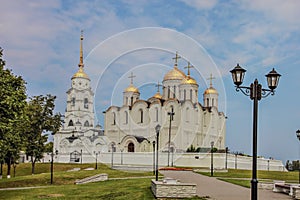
40,119
12,103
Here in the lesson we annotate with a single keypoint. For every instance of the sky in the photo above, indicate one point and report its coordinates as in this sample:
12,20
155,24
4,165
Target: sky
41,43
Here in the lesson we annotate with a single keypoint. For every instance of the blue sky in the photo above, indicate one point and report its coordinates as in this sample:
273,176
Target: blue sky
41,42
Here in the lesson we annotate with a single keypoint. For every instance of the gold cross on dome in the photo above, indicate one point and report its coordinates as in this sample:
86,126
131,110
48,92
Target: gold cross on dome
211,78
131,78
176,58
158,85
189,67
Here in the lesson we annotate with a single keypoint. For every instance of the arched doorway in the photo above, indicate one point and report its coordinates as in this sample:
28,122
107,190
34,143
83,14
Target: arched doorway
130,147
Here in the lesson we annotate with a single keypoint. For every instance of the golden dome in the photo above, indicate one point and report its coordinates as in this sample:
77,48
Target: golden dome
174,74
189,80
80,74
157,95
210,90
131,88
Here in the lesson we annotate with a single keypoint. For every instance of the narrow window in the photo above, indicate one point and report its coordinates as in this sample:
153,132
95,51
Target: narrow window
86,103
191,94
156,114
174,94
169,91
131,103
86,124
187,115
114,118
212,102
184,95
73,101
207,102
71,123
141,116
172,110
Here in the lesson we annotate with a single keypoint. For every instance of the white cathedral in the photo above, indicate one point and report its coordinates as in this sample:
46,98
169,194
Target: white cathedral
130,127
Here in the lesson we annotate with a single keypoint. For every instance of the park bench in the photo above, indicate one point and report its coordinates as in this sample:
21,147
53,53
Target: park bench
291,189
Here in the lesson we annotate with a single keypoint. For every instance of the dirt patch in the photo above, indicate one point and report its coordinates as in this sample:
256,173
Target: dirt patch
50,196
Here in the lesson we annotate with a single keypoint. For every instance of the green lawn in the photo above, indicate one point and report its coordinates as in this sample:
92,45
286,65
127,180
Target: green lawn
64,188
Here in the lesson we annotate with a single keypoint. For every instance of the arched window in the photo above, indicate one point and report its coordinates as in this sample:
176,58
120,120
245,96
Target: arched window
184,95
156,114
191,94
130,147
131,101
73,101
126,117
169,91
86,103
114,118
141,116
71,123
207,102
86,123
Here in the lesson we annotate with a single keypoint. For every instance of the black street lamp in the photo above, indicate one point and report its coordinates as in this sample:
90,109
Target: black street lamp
212,159
298,136
153,143
171,114
81,156
256,92
51,166
157,129
96,167
226,162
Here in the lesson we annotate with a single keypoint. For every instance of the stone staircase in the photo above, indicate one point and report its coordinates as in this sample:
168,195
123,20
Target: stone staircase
95,178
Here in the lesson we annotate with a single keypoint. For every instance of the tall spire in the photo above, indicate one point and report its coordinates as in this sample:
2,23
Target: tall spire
81,65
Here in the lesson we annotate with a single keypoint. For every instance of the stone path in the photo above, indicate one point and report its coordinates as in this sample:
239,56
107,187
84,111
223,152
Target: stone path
220,190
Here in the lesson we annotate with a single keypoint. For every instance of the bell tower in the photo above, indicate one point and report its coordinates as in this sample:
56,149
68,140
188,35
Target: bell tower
79,115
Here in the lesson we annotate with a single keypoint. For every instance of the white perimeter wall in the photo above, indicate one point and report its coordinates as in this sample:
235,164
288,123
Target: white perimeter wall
202,160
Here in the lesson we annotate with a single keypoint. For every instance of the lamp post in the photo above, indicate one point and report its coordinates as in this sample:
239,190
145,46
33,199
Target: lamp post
212,159
298,136
112,155
81,156
157,129
51,166
226,152
121,155
153,143
96,167
256,92
171,114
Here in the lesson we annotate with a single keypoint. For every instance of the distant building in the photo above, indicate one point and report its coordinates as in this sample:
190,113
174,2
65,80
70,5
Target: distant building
131,127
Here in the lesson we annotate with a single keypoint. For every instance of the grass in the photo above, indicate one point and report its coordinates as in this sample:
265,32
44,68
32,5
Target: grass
242,177
63,186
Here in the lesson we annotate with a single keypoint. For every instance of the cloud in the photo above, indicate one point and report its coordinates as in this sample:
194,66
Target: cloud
200,5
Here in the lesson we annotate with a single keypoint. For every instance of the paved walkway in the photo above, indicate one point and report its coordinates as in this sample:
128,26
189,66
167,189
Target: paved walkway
220,190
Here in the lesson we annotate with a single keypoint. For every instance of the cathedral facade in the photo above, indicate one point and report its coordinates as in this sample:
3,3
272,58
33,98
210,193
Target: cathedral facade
130,127
183,120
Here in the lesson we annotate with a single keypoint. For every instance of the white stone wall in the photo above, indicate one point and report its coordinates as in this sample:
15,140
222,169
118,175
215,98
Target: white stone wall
185,160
